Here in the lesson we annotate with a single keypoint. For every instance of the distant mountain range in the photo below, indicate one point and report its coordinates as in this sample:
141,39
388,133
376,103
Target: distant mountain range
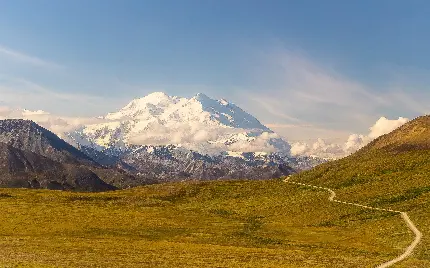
34,157
171,163
168,138
153,139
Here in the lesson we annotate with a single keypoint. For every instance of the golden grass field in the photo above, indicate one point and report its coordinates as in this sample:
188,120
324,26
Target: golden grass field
205,224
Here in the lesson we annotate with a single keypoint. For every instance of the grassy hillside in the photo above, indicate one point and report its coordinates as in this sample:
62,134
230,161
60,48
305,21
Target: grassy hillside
216,224
391,172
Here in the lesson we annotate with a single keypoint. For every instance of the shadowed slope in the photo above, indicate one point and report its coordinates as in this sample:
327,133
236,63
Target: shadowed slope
27,135
25,169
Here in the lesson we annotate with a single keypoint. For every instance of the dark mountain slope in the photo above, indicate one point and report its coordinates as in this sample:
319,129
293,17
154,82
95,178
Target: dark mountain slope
27,135
25,169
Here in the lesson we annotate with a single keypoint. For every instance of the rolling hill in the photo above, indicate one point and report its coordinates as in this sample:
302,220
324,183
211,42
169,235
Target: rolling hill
391,172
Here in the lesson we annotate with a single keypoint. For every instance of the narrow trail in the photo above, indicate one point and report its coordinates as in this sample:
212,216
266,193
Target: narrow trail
408,251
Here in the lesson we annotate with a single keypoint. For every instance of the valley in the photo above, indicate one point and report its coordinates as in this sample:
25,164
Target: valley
211,224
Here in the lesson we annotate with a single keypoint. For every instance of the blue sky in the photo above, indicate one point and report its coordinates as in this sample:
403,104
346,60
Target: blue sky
326,67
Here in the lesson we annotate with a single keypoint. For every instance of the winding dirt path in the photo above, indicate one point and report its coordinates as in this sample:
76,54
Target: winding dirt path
408,251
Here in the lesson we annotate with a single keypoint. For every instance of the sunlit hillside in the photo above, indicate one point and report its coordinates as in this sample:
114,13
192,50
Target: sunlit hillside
391,172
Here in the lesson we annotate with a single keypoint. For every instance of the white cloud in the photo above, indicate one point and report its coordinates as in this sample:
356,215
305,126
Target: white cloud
354,142
300,148
384,126
300,91
205,138
319,148
262,143
56,124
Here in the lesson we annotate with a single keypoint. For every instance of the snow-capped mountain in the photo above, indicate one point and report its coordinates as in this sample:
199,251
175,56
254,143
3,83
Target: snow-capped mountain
163,138
174,138
200,123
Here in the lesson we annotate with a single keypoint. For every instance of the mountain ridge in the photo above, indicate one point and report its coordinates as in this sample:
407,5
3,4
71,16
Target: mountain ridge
31,153
410,136
26,169
26,134
195,138
167,133
199,123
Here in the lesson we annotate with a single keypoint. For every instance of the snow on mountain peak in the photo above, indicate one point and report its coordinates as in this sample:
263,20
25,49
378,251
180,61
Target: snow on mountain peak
150,105
157,94
155,98
200,123
202,97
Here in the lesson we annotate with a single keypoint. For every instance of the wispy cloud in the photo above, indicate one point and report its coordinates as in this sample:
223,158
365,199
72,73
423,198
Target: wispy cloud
22,57
32,82
18,92
301,91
